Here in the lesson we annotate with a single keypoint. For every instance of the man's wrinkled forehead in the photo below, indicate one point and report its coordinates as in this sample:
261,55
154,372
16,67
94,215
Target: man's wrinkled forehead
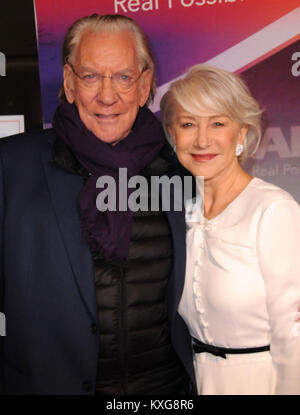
107,48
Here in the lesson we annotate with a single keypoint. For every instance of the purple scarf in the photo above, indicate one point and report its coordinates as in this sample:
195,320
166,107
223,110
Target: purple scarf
108,233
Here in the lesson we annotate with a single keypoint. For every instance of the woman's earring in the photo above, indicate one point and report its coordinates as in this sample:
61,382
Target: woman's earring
239,149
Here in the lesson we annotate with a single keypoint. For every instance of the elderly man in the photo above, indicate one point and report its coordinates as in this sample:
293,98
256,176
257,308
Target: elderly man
90,297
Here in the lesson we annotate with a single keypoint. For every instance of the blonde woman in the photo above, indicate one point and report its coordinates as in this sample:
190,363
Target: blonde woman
242,282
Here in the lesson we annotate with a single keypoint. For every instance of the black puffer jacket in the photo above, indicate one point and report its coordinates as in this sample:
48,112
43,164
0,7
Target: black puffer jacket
135,353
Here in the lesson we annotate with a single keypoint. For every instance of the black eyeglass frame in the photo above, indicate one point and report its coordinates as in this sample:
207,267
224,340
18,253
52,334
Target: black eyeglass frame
104,76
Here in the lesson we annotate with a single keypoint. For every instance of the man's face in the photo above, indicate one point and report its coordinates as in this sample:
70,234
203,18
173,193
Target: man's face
105,110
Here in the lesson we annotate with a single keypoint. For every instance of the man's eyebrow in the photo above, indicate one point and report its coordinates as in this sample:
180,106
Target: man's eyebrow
87,68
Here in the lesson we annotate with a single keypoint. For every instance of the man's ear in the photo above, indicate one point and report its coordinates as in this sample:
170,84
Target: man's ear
145,86
69,84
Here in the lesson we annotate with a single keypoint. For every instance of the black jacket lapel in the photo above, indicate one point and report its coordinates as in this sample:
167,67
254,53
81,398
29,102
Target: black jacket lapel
64,188
176,220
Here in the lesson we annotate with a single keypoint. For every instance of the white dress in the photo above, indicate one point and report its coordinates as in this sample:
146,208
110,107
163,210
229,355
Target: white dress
242,289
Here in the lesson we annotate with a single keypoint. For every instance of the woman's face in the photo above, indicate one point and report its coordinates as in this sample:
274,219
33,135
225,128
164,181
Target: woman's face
206,145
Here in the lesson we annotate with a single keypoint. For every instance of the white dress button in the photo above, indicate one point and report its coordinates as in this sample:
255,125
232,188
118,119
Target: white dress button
196,289
196,273
199,306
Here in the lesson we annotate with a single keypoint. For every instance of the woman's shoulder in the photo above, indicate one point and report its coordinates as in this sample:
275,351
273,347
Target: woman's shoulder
267,203
261,197
267,192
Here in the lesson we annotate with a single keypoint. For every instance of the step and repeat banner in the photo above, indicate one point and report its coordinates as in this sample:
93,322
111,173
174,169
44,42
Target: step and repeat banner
259,39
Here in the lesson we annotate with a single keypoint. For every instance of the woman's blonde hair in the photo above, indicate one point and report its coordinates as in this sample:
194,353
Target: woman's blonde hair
108,23
206,91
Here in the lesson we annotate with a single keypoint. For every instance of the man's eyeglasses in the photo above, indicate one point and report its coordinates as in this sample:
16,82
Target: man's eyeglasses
121,81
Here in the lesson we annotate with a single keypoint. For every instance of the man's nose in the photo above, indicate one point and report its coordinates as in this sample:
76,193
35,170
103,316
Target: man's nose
106,93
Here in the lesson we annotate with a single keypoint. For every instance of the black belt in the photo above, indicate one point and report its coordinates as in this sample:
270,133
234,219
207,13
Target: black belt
200,347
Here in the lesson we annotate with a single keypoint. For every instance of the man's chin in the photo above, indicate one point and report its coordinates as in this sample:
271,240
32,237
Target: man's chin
107,138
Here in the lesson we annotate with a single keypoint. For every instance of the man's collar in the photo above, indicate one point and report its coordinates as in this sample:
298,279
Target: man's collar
63,157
